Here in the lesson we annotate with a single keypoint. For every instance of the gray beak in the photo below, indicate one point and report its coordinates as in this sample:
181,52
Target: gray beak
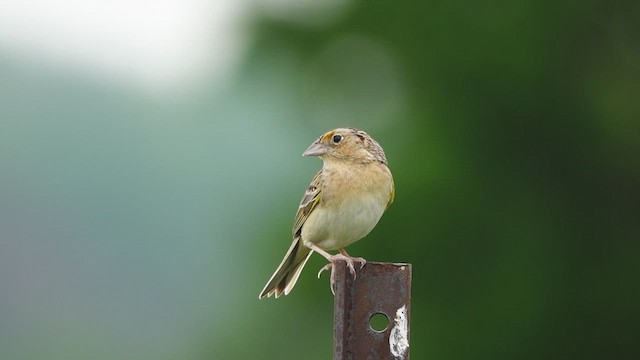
316,149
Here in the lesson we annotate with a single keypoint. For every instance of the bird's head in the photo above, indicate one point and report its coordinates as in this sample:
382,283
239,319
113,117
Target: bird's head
347,144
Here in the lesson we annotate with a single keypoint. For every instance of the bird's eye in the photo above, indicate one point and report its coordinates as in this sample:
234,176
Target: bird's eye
336,138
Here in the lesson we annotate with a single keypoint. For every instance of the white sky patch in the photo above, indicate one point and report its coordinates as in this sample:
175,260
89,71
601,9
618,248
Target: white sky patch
153,45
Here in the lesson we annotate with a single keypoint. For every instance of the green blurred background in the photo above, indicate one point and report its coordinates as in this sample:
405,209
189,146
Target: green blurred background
150,169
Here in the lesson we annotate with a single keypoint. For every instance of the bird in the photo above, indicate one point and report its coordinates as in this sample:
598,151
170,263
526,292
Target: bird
343,203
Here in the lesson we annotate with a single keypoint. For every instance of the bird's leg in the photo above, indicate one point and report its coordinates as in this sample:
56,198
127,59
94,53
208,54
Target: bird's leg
342,256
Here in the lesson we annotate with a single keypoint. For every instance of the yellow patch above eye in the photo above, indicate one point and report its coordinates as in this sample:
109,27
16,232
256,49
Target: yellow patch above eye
328,135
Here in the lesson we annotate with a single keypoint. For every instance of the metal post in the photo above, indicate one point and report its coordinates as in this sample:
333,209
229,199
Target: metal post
379,288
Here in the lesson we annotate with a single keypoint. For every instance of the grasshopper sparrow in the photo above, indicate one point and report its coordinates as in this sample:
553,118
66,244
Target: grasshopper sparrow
343,204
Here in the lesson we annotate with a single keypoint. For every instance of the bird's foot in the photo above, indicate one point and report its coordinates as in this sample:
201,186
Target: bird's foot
350,264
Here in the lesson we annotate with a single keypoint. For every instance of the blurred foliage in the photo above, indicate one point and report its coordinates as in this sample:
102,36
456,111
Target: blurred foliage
517,172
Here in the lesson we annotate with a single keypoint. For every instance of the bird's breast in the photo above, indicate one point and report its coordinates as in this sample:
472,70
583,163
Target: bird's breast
349,209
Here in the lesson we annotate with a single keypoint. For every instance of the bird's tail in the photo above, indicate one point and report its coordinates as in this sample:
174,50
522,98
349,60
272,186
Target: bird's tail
285,277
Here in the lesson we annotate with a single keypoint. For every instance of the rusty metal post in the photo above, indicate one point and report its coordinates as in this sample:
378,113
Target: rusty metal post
379,288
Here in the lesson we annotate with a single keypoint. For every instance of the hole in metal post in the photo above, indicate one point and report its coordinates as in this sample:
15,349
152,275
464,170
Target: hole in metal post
378,322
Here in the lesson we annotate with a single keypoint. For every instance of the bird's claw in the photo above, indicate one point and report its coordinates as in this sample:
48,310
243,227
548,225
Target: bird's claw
325,268
360,260
349,262
332,277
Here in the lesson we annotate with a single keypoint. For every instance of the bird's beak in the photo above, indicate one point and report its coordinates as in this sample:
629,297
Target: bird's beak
316,149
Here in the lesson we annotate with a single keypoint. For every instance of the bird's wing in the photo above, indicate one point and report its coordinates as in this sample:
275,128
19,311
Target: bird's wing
309,201
392,196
